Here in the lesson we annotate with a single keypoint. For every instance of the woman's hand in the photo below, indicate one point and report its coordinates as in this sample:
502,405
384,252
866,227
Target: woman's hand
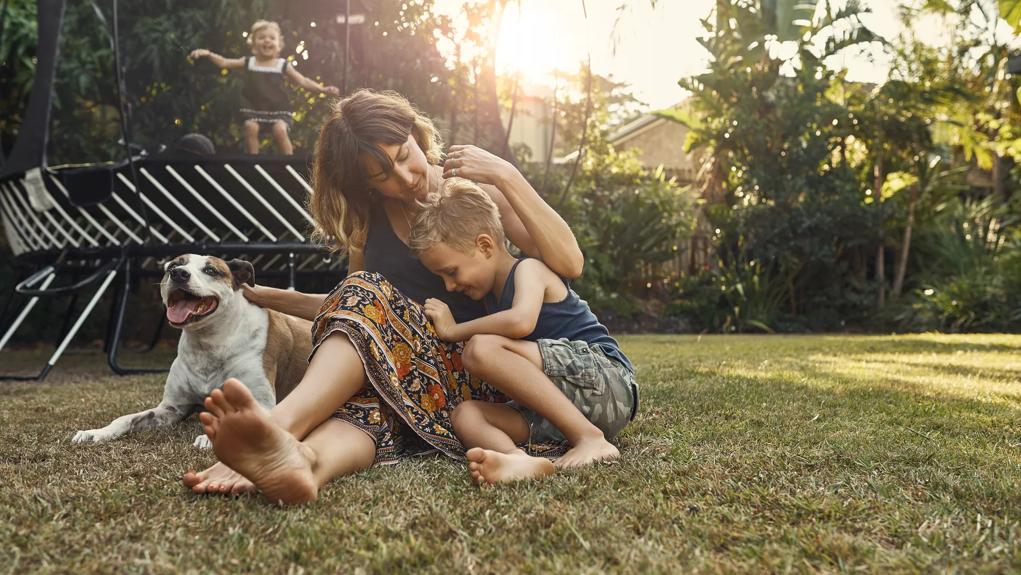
198,53
252,294
476,164
443,321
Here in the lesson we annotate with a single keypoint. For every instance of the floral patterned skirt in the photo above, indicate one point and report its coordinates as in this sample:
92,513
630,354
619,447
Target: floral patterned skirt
415,379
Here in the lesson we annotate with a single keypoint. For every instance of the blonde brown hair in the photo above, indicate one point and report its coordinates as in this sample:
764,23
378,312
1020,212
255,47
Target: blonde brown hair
460,213
262,25
359,124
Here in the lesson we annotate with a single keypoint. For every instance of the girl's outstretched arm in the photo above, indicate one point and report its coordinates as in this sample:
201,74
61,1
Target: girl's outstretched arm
217,60
309,84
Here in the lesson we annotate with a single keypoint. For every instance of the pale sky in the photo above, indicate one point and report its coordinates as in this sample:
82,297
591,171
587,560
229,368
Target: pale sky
651,48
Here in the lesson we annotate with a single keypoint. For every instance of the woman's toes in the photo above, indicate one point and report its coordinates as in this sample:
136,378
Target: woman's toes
220,400
212,407
209,424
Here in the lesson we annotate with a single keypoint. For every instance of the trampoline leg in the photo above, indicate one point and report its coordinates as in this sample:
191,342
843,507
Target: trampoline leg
77,325
110,317
25,311
68,314
8,302
114,345
156,335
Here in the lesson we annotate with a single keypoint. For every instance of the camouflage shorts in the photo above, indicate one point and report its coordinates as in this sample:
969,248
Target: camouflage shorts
601,388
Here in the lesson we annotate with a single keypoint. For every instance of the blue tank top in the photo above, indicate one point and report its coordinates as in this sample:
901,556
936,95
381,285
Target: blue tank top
569,318
386,254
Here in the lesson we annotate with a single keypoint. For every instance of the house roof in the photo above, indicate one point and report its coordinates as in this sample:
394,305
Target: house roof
634,127
626,132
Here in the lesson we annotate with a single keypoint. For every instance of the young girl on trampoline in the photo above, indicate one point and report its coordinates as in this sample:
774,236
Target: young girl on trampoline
264,99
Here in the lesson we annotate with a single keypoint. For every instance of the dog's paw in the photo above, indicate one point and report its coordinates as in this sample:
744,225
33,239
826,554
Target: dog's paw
202,442
90,436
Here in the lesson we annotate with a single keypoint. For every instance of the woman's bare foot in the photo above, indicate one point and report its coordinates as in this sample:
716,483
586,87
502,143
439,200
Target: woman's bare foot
246,440
588,451
218,479
491,467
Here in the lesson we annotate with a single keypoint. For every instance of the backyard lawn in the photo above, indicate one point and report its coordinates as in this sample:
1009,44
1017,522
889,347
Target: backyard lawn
750,453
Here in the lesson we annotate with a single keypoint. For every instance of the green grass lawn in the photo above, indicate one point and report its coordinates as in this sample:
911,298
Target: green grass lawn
771,453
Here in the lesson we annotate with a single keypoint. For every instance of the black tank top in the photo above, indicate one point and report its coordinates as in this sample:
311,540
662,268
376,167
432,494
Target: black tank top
569,318
386,254
264,90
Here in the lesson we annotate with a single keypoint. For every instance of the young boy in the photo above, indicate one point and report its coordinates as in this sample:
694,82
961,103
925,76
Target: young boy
541,346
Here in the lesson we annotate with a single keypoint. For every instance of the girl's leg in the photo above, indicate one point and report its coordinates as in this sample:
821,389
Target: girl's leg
515,368
283,141
251,130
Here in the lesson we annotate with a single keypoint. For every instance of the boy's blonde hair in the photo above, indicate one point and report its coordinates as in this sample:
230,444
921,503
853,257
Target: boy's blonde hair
460,213
360,124
261,25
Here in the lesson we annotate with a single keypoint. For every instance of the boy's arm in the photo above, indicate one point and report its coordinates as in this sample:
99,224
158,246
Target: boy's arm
217,60
514,323
309,84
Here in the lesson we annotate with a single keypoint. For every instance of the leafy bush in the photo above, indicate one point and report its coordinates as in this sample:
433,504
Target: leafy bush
972,270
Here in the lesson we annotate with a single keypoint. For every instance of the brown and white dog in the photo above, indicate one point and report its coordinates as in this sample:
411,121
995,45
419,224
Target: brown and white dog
224,335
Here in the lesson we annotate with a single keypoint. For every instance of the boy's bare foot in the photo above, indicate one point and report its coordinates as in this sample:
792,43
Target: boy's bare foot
246,440
218,479
588,451
491,467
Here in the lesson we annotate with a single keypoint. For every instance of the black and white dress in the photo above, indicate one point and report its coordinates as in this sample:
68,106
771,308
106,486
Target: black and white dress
264,96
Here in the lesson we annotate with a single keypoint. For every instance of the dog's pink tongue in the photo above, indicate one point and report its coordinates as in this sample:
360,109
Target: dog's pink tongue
178,312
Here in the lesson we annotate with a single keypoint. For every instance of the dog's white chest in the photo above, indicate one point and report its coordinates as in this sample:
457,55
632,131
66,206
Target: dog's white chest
233,347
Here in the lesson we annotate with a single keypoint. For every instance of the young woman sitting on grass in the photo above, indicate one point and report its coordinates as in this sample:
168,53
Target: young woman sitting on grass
380,384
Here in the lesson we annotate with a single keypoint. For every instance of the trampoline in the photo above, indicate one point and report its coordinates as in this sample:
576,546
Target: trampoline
91,232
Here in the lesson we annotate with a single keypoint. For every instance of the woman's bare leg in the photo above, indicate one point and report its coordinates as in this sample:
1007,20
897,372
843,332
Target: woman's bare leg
341,449
283,469
333,376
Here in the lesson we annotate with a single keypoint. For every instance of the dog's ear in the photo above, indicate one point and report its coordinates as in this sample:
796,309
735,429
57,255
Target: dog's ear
243,272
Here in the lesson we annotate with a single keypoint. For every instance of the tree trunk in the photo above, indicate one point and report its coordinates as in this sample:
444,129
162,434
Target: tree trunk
792,296
905,247
877,188
455,98
1001,171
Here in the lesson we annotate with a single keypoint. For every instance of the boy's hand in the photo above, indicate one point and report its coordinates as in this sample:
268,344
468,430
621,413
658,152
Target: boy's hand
443,320
198,53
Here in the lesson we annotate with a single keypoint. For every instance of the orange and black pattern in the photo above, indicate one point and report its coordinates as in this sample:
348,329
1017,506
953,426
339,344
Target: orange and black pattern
415,378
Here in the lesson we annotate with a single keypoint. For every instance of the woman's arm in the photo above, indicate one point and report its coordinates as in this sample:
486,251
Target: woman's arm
298,304
309,84
217,60
529,222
